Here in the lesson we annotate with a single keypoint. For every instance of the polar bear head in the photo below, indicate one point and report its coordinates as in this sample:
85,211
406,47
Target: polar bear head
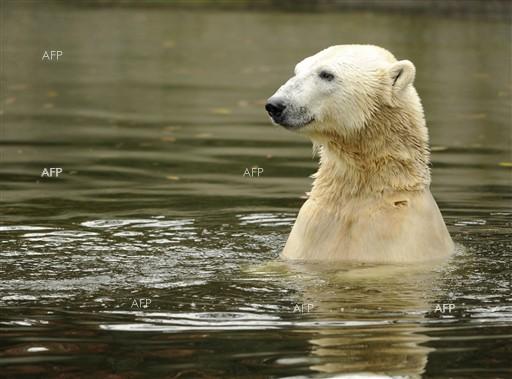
341,88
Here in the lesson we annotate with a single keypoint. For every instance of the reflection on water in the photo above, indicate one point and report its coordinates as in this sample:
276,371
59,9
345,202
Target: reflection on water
154,115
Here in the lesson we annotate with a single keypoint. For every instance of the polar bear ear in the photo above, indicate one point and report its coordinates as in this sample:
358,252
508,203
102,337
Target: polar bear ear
402,74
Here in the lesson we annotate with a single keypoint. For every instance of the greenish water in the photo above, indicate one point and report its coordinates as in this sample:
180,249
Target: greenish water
154,115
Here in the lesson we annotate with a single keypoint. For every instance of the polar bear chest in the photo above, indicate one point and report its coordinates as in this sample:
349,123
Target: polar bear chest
394,228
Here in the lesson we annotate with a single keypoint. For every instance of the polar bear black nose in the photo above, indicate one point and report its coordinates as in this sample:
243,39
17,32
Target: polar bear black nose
275,108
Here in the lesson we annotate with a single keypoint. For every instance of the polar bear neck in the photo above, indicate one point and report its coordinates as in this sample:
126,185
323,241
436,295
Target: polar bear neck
388,154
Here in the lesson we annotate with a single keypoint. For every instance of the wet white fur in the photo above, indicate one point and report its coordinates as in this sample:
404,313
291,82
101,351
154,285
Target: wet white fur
370,200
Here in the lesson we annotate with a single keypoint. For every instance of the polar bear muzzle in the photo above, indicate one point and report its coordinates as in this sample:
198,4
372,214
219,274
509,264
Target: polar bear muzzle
287,115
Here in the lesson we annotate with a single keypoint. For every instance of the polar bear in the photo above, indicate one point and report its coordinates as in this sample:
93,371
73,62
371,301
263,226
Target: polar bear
370,200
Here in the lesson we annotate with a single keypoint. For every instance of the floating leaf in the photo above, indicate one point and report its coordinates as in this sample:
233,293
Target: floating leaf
18,87
473,116
168,44
172,177
505,164
223,111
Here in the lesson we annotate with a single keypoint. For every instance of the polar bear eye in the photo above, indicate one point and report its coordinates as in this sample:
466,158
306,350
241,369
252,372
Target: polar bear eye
326,75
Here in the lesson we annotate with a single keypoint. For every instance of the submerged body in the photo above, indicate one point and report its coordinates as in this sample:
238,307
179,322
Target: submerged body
370,200
385,228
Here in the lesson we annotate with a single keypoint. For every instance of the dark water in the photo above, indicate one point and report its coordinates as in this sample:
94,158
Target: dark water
154,115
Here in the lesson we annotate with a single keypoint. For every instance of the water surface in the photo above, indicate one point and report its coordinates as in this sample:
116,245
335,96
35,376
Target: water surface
154,115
